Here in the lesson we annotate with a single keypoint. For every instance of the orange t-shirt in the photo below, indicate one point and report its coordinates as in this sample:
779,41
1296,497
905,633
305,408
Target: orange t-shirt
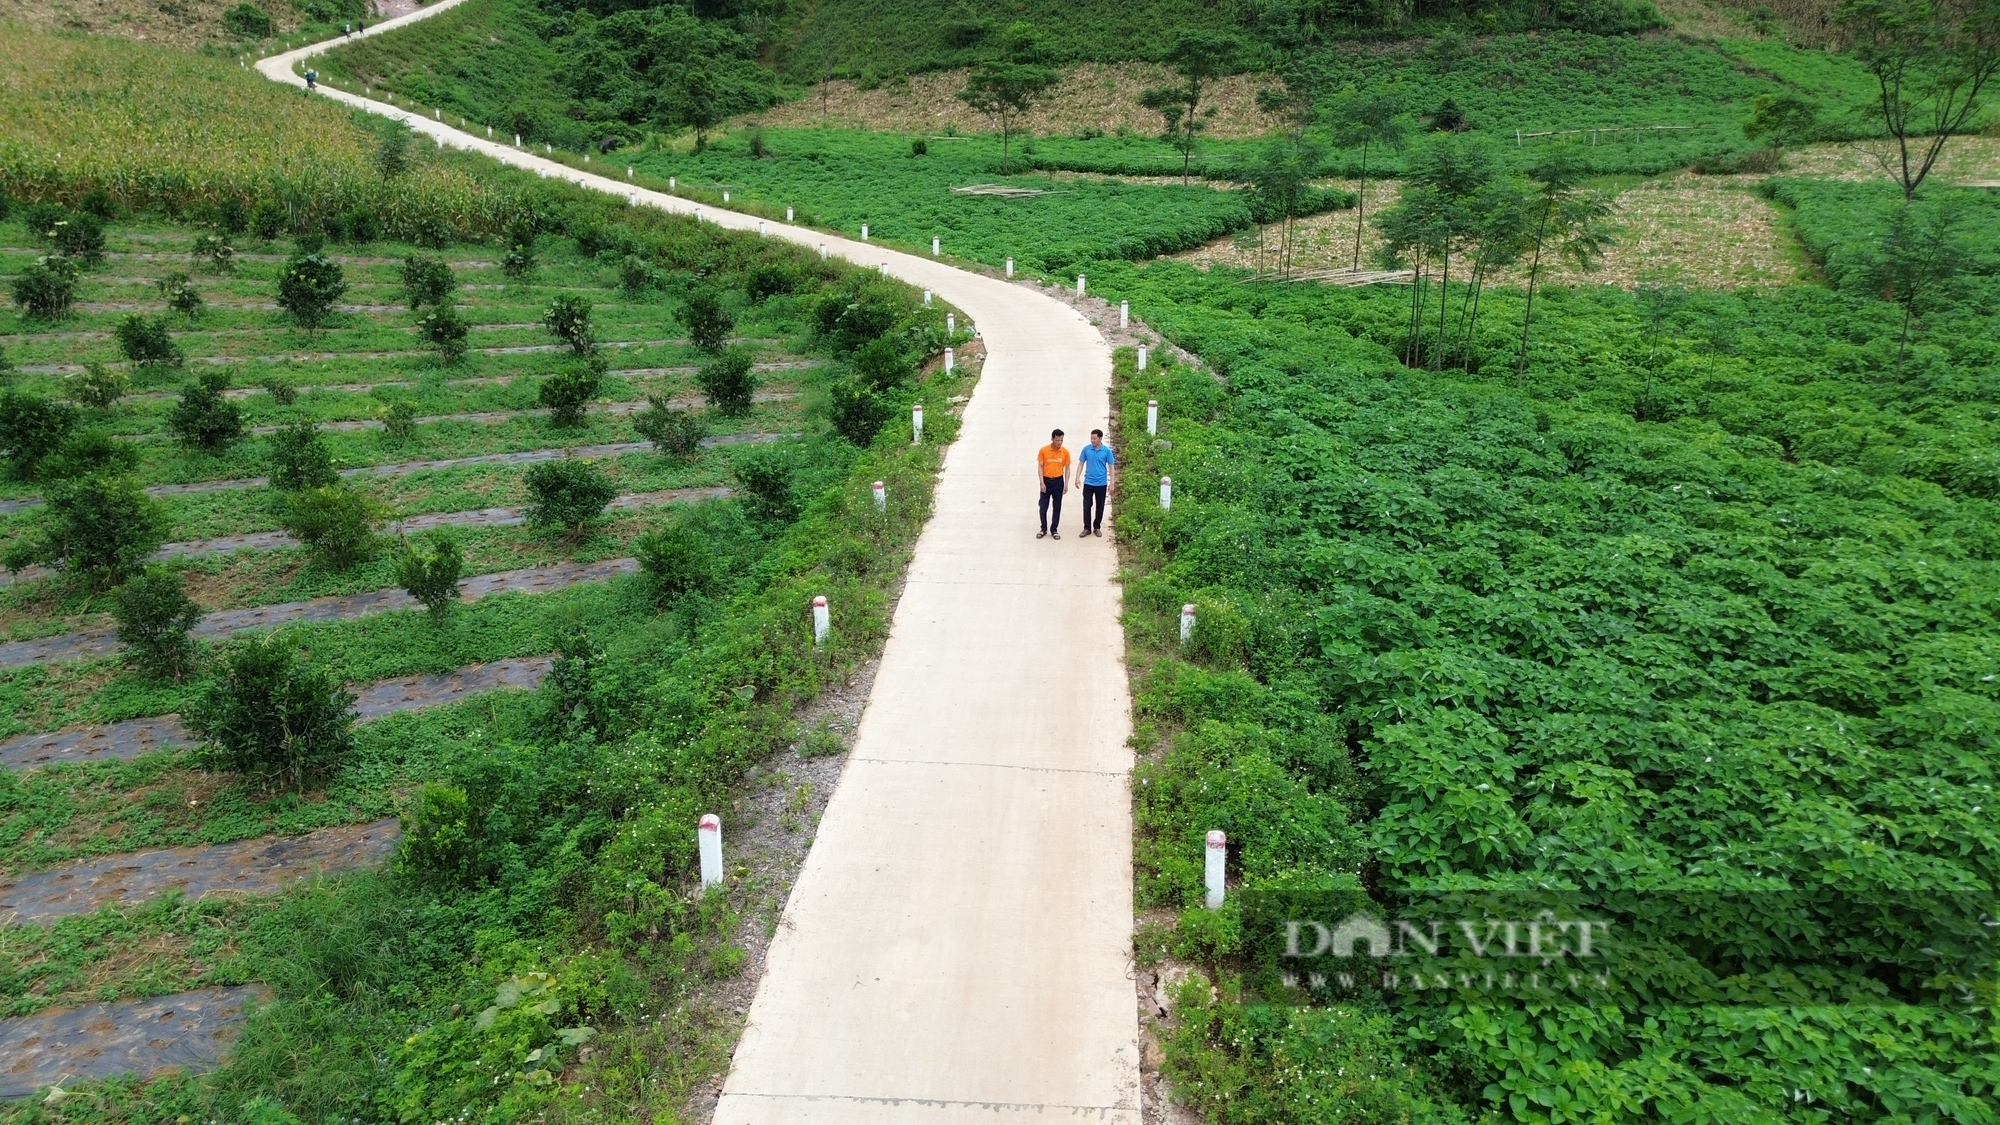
1055,461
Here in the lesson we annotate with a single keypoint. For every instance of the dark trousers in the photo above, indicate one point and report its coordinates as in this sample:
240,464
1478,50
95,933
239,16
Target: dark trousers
1049,504
1093,496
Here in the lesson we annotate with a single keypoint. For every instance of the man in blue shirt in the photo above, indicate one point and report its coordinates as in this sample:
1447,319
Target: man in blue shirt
1095,464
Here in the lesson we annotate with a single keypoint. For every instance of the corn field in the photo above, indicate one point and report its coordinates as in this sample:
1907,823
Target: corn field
177,133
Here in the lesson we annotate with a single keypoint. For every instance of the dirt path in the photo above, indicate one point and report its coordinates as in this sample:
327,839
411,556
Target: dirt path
262,866
223,623
134,737
189,1029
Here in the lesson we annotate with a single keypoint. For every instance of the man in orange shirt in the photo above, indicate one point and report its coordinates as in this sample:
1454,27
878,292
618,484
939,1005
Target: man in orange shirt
1051,478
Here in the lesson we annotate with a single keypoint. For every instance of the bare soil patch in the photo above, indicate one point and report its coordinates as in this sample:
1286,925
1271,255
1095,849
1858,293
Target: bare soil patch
191,1030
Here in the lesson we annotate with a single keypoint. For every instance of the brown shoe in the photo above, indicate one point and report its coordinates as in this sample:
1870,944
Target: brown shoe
1041,535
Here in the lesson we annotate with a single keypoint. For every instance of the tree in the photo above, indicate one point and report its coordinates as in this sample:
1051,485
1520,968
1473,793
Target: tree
181,296
146,342
309,285
1435,218
89,451
1279,182
392,150
96,386
1931,60
155,616
1782,121
1004,91
707,322
203,418
335,522
520,237
46,289
79,236
1568,215
444,329
569,494
568,390
568,320
431,575
699,105
32,428
1197,57
1920,255
883,364
99,527
428,280
675,561
768,474
729,381
247,21
676,433
1367,119
300,459
270,716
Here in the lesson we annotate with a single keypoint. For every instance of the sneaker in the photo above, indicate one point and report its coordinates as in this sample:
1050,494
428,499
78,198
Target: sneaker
1055,535
1041,535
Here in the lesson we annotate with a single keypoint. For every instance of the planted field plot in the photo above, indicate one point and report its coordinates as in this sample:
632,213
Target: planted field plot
1666,632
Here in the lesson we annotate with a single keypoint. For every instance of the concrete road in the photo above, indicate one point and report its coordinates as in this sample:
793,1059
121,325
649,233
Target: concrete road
957,947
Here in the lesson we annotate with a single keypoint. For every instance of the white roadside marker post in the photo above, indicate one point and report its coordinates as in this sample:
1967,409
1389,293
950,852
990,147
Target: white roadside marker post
822,251
934,246
697,214
864,232
917,424
760,228
884,268
1124,314
671,181
927,298
1187,623
947,361
725,196
1152,416
881,497
708,838
822,622
489,132
629,171
1166,493
788,214
1214,869
517,140
1079,285
1010,267
951,324
1142,357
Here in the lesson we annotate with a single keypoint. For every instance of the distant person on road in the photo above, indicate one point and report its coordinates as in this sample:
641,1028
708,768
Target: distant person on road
1095,466
1052,480
312,79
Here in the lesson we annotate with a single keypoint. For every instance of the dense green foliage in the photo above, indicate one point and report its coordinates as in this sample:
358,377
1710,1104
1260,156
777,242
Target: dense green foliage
567,494
336,522
1650,624
154,616
100,527
271,716
430,572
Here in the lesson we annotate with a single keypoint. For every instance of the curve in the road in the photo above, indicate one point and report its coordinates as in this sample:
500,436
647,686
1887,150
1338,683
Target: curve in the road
957,946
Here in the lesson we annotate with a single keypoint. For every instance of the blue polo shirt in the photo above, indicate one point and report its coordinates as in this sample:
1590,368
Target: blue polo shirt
1097,461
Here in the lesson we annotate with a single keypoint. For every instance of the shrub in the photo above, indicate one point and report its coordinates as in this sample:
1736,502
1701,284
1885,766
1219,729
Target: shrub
677,433
154,616
270,716
849,320
400,420
920,147
729,381
99,526
96,386
441,845
567,494
708,324
79,237
675,561
247,21
179,291
309,286
568,390
31,428
568,319
882,364
231,217
767,475
268,219
769,280
581,690
335,522
857,412
281,389
636,276
357,226
214,253
146,342
300,459
520,259
392,151
98,204
47,288
431,576
89,451
203,418
428,280
41,219
444,329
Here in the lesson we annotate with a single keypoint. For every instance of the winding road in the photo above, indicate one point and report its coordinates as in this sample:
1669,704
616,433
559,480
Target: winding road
958,945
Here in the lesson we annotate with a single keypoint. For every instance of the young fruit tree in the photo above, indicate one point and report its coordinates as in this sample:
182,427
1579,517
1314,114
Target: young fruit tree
1004,92
310,284
269,716
154,616
430,574
568,495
